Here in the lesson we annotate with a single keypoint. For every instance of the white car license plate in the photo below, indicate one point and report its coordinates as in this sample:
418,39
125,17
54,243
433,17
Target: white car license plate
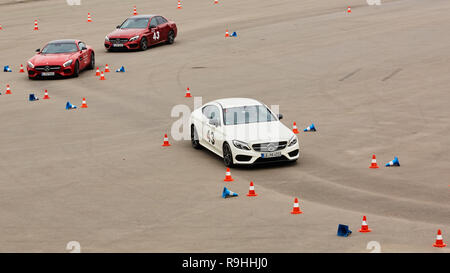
117,45
271,154
48,73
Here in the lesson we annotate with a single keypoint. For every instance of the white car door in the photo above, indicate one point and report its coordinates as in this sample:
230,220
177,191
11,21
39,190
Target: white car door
211,124
218,132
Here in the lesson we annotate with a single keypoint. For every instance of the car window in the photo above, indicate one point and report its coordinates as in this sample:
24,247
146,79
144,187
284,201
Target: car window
161,20
135,23
54,48
211,112
81,45
154,22
247,114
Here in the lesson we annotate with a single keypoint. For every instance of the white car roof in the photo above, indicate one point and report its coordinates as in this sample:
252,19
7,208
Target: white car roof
237,102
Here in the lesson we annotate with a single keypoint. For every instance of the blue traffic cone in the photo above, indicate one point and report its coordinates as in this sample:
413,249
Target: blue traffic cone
7,69
310,128
32,97
227,193
234,34
394,162
122,69
70,106
343,231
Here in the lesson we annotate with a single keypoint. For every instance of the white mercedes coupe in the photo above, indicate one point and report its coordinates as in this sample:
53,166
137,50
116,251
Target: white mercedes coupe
242,131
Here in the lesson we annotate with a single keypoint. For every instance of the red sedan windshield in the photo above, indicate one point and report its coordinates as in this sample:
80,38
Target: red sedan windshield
135,23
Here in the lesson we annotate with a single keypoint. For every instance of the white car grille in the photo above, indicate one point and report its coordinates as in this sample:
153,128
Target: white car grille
269,146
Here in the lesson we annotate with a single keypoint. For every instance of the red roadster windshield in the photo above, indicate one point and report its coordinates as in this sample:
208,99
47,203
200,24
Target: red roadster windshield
55,48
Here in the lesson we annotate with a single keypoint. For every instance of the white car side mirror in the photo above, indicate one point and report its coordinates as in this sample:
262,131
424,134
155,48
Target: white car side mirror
214,122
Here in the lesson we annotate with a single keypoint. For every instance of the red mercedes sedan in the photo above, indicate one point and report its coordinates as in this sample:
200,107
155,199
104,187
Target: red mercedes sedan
141,32
61,58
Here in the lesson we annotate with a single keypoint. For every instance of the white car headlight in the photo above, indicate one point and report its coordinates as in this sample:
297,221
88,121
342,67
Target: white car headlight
293,141
134,38
106,38
30,65
241,145
66,64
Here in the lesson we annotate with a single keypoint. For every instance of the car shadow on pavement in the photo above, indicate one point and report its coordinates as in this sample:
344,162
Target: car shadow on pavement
123,50
281,164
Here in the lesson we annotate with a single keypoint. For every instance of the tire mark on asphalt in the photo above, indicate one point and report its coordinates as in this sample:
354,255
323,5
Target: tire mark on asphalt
179,71
322,87
391,75
350,74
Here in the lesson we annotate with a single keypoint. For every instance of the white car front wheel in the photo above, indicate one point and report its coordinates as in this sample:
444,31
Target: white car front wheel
227,155
194,138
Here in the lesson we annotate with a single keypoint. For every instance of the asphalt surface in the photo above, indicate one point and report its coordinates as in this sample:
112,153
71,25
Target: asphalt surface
373,82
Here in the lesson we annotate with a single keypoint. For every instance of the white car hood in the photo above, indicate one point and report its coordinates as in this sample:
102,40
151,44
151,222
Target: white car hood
258,132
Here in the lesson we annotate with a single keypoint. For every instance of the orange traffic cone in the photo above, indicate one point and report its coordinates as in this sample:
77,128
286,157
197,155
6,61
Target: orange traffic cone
84,104
251,191
106,68
179,5
166,141
21,69
89,17
227,34
439,241
364,226
228,177
8,90
188,93
97,73
36,25
349,10
134,11
294,128
296,208
374,164
46,97
102,76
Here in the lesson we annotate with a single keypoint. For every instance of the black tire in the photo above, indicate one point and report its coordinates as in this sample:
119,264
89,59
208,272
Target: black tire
76,69
194,138
170,37
92,63
227,155
144,44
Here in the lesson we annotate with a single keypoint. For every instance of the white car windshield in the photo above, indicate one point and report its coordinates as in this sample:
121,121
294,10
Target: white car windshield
135,23
55,48
247,114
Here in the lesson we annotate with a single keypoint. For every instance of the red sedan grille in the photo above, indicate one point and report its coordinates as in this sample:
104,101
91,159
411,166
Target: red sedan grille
118,40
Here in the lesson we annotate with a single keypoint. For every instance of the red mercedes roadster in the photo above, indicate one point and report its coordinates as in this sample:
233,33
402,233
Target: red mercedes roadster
61,58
